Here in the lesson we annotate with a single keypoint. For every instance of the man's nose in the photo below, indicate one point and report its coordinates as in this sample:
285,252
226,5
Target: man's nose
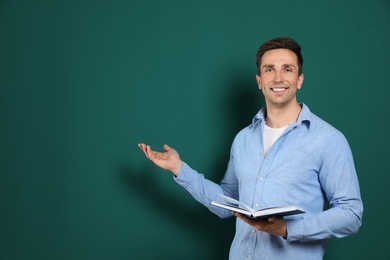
278,77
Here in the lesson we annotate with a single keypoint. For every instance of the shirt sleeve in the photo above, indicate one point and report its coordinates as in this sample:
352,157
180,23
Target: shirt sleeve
204,190
340,185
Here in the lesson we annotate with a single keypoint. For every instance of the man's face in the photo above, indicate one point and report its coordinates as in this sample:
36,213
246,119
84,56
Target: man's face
278,79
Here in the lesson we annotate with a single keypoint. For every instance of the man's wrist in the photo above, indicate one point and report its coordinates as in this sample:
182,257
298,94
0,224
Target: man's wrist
177,169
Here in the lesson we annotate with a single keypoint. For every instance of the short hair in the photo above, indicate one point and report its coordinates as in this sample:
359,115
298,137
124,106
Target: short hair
280,43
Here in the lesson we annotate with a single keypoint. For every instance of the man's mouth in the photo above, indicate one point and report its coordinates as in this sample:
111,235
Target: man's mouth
278,89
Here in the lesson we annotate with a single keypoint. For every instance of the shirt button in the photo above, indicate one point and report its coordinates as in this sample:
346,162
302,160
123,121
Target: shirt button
249,257
253,231
257,204
261,179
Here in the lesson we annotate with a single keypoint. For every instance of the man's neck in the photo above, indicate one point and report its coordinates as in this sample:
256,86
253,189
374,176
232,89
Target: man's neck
278,117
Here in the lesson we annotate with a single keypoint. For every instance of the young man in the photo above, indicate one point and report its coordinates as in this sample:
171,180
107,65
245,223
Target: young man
287,156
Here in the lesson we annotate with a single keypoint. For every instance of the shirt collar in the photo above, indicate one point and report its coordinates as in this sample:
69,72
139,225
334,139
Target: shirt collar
305,115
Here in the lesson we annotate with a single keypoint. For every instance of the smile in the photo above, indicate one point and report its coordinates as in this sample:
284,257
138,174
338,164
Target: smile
278,89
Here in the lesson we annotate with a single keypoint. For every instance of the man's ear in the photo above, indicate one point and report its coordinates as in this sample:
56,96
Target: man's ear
300,81
258,80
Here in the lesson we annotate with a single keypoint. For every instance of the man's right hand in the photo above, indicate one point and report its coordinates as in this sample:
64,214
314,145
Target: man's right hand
168,160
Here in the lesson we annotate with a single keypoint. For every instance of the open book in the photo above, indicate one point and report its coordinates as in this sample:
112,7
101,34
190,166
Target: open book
235,205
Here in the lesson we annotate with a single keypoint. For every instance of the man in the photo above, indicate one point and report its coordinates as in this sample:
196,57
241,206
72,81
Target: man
287,156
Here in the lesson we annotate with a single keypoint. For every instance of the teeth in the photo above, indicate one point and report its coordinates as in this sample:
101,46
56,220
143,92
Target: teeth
278,89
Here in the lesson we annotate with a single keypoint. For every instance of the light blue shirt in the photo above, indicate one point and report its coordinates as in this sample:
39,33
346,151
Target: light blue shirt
310,166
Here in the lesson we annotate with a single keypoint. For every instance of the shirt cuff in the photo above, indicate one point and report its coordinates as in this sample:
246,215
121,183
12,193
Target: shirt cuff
184,176
295,230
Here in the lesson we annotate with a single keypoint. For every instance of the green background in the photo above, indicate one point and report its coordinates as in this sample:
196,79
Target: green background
82,82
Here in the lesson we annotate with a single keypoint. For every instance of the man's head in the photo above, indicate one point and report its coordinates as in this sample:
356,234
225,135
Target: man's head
280,74
280,43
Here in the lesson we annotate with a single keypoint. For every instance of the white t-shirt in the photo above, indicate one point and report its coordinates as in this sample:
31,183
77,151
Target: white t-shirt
271,135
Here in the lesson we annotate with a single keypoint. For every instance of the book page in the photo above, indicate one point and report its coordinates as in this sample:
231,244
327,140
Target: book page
236,202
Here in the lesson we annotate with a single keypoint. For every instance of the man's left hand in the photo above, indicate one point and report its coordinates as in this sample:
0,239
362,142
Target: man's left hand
273,225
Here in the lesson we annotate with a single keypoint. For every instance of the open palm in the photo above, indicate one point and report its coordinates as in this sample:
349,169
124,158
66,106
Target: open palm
168,160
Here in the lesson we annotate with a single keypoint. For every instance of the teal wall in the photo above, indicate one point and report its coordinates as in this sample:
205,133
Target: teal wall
82,82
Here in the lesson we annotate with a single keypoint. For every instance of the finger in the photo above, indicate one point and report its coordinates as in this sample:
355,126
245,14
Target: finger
149,151
240,216
274,219
167,147
142,147
152,155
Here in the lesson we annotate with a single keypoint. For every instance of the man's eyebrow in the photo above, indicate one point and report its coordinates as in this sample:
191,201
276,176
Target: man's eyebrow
268,66
273,66
289,66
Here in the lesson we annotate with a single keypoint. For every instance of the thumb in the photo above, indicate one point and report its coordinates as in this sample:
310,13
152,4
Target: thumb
167,147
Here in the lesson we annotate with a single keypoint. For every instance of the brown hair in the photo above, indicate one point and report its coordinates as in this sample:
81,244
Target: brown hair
280,43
